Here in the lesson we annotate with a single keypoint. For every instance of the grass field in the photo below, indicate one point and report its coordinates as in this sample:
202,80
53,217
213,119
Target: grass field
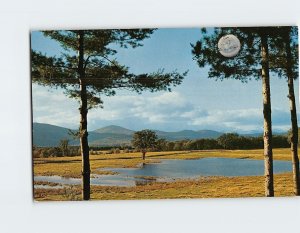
203,187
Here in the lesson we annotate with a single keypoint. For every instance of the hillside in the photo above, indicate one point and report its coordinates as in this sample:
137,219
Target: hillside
113,135
187,134
50,135
114,129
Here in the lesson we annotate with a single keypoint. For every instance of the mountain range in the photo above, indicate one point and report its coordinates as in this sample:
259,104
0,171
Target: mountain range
50,135
45,135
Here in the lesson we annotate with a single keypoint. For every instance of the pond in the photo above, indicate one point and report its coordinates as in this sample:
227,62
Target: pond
179,169
103,180
172,169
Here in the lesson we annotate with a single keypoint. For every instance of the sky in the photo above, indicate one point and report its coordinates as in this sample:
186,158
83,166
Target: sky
198,103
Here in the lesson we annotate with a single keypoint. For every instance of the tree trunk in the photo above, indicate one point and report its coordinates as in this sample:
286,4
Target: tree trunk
268,154
291,96
143,154
84,146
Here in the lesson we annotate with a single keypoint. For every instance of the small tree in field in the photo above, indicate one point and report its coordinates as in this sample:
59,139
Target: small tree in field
64,146
144,140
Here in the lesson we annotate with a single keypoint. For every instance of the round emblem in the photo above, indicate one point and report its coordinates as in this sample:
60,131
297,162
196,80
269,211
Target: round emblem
229,45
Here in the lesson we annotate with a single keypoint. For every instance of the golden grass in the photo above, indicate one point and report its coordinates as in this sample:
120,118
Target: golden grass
206,187
201,188
71,166
279,154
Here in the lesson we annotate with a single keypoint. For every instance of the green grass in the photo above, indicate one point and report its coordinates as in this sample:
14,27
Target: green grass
201,188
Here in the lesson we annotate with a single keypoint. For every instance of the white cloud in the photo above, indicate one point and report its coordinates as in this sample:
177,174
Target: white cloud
64,119
229,116
240,119
166,111
155,109
53,107
169,98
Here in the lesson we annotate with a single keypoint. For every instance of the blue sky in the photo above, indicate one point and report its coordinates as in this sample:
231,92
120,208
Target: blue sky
198,103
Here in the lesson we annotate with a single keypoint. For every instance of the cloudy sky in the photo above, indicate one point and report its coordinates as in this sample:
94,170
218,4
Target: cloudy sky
198,103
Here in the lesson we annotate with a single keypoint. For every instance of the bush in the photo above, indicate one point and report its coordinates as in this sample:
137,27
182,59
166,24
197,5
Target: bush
117,151
109,152
71,193
44,154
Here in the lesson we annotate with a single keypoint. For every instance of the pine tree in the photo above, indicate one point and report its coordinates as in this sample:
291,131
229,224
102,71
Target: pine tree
285,64
252,62
88,70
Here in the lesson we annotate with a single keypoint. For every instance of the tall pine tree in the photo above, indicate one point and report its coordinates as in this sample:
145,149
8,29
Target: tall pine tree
285,63
88,70
253,61
291,68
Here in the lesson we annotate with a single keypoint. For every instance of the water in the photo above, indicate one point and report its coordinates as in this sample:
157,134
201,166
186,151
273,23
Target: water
40,186
169,170
179,169
102,180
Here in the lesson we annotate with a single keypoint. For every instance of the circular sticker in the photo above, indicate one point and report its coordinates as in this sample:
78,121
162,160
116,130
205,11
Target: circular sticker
229,45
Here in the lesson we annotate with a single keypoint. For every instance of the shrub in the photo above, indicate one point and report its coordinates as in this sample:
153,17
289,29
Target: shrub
117,151
36,153
109,152
44,154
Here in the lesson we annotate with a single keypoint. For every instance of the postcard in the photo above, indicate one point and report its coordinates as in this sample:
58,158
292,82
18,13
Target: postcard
167,113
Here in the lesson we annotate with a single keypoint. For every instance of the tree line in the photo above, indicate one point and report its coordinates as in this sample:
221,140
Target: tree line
46,152
227,141
147,140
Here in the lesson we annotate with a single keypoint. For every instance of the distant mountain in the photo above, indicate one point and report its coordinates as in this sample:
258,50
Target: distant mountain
109,139
115,130
50,135
188,134
260,134
113,135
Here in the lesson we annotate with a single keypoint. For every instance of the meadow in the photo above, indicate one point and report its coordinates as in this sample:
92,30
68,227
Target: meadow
203,187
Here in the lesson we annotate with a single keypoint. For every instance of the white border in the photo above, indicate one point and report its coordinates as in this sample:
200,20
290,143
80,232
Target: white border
18,213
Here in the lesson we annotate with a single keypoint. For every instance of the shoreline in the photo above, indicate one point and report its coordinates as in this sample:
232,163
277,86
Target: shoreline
204,187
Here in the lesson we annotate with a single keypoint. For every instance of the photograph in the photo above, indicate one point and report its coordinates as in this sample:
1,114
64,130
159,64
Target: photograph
164,113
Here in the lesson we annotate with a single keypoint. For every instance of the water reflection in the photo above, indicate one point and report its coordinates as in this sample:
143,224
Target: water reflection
170,170
182,169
